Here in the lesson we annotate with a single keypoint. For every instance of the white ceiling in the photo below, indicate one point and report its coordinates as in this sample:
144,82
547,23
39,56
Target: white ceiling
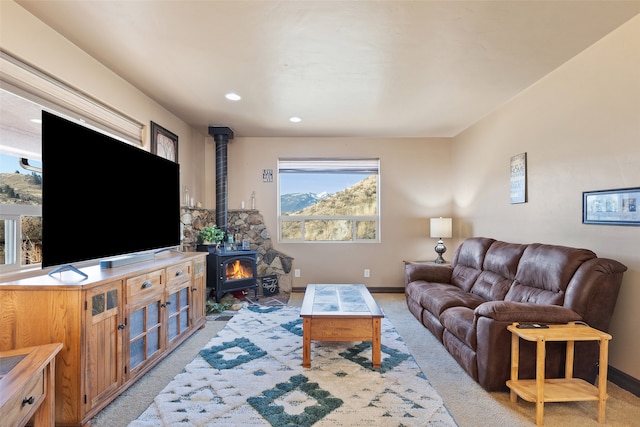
348,68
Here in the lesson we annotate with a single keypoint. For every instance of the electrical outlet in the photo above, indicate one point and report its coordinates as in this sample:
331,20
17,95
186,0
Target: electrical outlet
296,272
367,272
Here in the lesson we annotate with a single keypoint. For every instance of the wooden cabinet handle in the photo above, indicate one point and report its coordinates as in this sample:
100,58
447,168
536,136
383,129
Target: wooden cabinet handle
147,284
27,401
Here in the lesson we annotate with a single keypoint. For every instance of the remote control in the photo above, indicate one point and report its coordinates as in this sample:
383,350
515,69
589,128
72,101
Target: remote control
532,326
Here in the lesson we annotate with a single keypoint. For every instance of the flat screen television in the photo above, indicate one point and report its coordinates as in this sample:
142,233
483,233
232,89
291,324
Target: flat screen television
102,197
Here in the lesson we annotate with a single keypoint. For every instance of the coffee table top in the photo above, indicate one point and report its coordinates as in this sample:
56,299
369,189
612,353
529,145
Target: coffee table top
339,300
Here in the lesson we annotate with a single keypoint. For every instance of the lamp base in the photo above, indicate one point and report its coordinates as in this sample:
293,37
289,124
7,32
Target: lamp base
440,249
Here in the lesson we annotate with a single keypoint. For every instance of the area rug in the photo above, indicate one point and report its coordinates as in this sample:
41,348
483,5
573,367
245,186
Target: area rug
251,374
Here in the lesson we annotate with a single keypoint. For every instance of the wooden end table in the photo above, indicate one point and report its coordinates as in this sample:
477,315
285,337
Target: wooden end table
340,312
565,389
27,381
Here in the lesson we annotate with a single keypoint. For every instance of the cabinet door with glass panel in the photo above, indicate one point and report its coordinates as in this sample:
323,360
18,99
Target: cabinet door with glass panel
179,303
145,330
103,344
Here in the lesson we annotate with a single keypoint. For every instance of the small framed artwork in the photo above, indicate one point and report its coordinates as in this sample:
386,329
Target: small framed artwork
519,178
164,143
611,207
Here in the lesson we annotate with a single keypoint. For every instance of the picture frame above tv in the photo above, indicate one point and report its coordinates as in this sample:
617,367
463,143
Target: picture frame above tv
164,143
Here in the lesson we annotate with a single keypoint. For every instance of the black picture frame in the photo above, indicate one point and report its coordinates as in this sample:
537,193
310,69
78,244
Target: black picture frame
164,143
611,207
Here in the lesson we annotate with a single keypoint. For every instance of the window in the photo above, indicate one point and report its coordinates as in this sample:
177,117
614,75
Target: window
20,184
329,200
20,237
25,92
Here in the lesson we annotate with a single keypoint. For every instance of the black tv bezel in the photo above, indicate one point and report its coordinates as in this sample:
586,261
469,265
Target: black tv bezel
131,203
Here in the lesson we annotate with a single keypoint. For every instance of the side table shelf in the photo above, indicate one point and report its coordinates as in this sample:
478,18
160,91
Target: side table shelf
568,389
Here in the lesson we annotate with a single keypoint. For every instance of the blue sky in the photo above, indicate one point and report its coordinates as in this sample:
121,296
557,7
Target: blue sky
317,183
9,164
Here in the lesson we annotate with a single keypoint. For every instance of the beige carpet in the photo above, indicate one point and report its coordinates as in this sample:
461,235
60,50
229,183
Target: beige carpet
469,404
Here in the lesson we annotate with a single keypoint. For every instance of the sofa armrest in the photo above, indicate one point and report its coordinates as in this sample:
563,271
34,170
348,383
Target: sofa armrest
509,311
428,272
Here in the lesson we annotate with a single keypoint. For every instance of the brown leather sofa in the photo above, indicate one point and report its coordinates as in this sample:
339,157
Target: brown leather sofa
490,284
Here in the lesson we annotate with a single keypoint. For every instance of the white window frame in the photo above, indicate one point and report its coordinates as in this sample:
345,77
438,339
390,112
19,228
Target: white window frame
12,215
329,165
72,103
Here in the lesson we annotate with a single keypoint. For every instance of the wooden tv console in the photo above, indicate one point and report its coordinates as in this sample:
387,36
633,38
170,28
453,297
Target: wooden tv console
114,325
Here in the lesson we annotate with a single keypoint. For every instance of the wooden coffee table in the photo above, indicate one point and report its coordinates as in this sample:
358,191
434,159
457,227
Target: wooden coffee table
340,312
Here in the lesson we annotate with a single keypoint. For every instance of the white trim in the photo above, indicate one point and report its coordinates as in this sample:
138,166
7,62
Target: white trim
46,90
296,165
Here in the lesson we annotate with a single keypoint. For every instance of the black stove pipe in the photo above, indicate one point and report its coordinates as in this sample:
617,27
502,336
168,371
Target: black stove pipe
221,136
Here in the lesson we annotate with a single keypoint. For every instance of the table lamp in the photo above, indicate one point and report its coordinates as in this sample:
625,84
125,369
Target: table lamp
440,228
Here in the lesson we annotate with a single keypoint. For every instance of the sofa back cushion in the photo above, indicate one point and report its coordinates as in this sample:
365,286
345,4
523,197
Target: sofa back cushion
467,261
544,272
499,270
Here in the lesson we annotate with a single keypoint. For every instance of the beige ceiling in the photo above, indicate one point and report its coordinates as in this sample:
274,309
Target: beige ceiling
348,68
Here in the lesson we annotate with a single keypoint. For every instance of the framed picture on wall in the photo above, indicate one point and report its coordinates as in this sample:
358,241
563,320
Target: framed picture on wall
519,178
164,143
611,207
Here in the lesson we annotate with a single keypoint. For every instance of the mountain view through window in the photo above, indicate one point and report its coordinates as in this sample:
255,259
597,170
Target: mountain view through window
329,200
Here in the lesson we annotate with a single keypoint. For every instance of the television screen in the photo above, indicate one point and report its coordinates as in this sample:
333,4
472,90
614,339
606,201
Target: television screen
102,197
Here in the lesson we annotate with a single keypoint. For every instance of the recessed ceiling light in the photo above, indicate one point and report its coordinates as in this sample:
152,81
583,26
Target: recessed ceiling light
36,120
233,96
295,119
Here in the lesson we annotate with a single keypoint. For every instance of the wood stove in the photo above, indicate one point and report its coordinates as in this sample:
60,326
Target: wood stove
229,271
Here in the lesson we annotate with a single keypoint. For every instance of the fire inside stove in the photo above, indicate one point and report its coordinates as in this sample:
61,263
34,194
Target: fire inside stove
239,269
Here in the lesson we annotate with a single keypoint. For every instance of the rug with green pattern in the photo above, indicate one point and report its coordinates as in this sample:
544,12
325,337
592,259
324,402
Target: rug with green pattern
251,374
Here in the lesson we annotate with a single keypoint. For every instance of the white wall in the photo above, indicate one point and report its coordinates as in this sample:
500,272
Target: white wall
28,39
414,185
580,128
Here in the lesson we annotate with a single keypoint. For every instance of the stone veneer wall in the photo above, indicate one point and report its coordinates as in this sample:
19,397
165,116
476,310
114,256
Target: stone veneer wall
243,224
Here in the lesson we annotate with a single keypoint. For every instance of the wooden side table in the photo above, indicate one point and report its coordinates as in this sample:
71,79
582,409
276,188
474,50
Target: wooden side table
28,385
565,389
424,262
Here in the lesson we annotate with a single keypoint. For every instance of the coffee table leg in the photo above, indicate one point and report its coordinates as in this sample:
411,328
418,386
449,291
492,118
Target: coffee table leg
375,344
306,342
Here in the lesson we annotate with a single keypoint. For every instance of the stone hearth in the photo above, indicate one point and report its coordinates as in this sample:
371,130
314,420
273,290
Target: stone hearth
243,224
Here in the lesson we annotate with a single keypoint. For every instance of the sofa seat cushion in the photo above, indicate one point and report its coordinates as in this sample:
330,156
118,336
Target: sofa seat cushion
418,290
460,322
437,301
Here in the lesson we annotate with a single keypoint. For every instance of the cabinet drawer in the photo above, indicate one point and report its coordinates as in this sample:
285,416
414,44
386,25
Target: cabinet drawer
178,273
144,285
14,412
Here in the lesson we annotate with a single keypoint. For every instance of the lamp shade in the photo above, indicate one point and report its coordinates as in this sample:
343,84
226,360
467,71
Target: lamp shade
440,228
